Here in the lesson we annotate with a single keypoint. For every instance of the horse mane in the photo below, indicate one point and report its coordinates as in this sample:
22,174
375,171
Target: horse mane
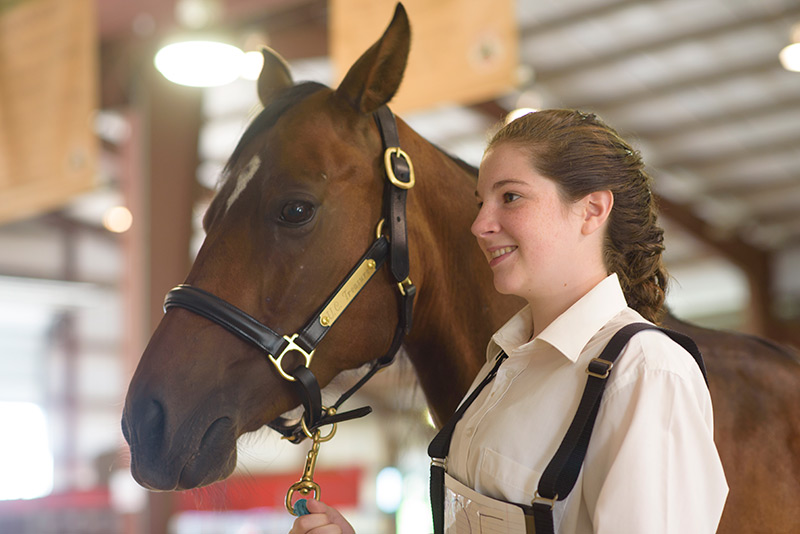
473,170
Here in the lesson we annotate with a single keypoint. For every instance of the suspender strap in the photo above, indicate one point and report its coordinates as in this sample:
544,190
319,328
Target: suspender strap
440,447
562,472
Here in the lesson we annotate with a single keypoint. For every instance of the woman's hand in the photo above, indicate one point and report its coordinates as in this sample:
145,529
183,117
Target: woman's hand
322,519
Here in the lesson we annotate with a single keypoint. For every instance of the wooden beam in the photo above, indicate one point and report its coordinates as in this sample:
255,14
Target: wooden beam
608,105
766,18
593,11
757,186
723,117
705,161
754,262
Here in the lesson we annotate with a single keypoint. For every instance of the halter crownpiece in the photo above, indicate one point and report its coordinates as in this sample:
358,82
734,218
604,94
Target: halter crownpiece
391,246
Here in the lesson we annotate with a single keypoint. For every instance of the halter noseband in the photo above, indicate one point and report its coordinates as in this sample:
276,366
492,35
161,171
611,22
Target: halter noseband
392,245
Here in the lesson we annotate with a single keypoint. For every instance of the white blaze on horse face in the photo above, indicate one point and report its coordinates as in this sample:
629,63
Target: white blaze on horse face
242,180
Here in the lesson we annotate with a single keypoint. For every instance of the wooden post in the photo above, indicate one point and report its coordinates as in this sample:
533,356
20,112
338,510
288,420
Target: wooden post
160,164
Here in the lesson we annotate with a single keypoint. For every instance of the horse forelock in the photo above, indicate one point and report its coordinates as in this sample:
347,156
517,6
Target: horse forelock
266,119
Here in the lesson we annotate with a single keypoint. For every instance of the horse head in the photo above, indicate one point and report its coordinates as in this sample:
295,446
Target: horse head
297,208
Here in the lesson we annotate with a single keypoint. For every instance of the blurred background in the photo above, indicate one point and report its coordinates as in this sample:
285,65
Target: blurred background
109,157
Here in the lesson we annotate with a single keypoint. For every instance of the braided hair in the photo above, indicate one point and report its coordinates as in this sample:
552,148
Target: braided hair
582,154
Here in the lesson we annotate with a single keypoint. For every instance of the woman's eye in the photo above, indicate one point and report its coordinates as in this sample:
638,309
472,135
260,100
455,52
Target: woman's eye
510,197
297,212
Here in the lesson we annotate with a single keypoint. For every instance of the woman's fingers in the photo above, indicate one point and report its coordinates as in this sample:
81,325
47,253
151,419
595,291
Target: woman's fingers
315,523
331,515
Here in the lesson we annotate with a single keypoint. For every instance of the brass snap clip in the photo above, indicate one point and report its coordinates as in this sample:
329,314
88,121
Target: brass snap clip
306,485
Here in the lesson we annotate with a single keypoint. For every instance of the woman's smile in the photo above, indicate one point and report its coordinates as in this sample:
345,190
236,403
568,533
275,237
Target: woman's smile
499,254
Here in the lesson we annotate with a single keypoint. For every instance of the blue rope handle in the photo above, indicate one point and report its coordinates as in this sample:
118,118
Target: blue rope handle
300,508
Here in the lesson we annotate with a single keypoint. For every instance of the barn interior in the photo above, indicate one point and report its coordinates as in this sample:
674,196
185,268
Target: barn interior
107,166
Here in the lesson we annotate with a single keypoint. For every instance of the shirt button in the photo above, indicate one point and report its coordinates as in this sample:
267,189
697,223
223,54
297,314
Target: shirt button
509,373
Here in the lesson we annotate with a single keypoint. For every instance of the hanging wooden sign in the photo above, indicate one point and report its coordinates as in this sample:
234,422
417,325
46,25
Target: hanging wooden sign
462,51
48,95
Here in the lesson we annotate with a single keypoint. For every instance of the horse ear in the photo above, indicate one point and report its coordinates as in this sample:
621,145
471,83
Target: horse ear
374,79
274,76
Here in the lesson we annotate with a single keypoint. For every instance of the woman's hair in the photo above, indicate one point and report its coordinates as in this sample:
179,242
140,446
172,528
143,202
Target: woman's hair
581,154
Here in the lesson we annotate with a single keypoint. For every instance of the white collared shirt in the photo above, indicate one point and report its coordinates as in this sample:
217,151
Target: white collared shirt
651,467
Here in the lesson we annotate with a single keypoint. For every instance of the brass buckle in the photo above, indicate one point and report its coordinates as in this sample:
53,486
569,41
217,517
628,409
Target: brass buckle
404,284
603,362
387,161
292,346
544,500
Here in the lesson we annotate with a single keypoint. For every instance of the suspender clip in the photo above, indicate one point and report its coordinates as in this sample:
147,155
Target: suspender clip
599,368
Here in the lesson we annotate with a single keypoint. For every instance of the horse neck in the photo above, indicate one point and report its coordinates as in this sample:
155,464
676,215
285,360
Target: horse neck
457,308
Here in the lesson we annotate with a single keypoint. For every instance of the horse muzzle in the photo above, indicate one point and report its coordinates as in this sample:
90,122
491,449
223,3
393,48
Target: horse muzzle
196,455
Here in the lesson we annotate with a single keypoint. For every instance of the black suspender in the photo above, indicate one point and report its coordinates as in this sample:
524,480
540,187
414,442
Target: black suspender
440,447
562,472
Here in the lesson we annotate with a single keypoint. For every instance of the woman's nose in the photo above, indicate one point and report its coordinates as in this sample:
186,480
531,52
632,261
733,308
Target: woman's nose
482,225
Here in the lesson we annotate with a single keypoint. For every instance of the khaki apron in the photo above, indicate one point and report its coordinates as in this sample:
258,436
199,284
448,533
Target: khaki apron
468,512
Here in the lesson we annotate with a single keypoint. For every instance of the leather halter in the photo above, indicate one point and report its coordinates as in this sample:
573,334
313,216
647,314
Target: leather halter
391,245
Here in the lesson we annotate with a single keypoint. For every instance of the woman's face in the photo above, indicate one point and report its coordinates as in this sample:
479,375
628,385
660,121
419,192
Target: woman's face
530,237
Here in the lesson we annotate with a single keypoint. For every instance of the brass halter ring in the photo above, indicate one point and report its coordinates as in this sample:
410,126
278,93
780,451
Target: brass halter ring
292,346
317,435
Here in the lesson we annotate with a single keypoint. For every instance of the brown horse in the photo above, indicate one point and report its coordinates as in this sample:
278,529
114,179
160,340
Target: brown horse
299,205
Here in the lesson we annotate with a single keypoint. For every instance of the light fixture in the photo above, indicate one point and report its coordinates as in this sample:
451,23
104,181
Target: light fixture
200,63
517,113
790,55
389,489
252,64
118,219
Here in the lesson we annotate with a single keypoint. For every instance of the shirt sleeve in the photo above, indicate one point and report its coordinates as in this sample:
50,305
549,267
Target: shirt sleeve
652,465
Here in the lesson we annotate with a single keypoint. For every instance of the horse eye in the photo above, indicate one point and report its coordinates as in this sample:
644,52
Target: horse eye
297,212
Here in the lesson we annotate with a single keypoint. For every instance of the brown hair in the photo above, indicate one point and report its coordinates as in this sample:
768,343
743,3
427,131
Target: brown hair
582,154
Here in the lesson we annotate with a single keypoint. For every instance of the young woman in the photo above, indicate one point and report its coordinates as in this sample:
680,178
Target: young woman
567,222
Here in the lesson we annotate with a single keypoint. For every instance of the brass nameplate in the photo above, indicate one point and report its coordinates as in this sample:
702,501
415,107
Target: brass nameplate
348,292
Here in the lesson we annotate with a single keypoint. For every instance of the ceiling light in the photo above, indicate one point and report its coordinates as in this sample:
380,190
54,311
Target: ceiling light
118,219
517,113
200,63
252,64
790,57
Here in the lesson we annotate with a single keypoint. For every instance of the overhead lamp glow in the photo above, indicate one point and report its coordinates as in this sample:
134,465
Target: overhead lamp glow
517,113
200,63
790,57
252,65
118,219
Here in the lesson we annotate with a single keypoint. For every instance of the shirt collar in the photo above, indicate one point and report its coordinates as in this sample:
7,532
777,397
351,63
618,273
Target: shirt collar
569,332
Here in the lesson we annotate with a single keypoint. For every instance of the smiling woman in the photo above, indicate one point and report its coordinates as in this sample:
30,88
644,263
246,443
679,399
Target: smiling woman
26,463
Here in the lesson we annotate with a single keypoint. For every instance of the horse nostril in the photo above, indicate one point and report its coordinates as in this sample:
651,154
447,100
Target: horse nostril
149,421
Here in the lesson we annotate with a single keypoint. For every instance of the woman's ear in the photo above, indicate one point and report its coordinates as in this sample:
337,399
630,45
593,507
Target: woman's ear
596,209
